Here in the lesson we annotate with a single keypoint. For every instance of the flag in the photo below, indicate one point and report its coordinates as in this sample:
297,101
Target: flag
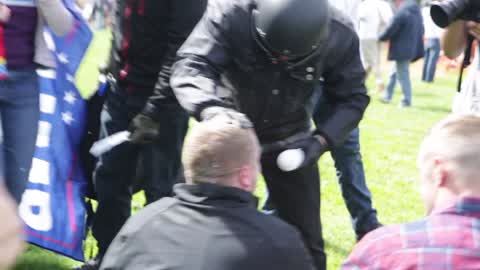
53,205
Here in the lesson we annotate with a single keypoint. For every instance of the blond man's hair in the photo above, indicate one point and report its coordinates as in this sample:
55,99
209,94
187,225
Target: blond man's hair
215,150
456,139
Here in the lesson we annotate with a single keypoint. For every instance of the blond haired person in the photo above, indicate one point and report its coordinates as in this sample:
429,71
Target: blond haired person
449,237
212,223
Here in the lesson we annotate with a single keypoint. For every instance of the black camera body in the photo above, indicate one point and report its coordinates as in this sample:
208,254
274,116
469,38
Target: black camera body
445,12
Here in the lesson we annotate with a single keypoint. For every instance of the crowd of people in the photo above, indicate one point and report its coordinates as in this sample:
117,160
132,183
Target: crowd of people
254,74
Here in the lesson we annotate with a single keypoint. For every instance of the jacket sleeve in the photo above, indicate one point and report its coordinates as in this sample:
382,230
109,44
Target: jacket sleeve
183,17
196,76
394,26
345,92
56,16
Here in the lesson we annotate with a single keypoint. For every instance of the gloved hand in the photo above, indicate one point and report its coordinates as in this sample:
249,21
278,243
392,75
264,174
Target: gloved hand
231,115
312,147
143,129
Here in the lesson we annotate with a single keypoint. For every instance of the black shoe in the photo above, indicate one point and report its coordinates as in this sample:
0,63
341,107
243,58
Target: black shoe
367,229
93,264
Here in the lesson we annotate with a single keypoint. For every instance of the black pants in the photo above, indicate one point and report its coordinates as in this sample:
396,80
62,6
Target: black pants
116,169
296,195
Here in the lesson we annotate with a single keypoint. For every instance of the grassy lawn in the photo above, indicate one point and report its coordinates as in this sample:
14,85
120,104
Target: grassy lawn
390,138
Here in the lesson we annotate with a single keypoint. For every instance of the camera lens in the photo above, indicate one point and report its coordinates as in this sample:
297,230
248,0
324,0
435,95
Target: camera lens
445,12
439,16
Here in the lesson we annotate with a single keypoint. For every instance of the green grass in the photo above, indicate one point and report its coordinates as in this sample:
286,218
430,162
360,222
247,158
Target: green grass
390,138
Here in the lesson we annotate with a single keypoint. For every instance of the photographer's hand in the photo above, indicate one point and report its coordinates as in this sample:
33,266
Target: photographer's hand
473,29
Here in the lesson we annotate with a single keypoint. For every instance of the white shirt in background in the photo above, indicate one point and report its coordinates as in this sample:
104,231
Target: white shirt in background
373,17
431,29
349,8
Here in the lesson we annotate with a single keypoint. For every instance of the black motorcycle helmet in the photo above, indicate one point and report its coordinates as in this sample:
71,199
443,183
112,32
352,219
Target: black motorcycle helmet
291,29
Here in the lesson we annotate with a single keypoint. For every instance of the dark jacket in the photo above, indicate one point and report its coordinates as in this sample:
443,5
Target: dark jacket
206,227
147,35
275,96
405,33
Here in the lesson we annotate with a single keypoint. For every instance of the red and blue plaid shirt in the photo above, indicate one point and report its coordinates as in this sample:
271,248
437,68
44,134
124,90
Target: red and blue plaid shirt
449,239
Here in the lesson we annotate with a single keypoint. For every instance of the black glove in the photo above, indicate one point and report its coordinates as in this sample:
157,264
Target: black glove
143,129
230,115
313,147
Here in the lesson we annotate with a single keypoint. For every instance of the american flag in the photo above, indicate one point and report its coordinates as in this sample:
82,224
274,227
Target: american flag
53,206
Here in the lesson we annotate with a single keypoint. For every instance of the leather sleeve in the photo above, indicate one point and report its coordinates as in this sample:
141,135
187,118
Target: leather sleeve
184,16
344,86
196,76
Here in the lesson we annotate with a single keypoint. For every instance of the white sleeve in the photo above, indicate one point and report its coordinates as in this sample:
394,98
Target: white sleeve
56,16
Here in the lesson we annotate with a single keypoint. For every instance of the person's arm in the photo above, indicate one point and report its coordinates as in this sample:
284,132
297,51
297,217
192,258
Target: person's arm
454,39
56,16
395,25
345,91
183,17
195,76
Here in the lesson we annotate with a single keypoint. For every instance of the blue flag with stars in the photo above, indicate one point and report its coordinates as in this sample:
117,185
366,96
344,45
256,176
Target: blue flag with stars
53,205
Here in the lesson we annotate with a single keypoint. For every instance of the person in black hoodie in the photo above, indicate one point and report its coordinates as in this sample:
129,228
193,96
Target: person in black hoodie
146,37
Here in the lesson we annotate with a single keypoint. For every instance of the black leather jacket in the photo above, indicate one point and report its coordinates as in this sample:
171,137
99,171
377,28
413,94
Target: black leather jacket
277,97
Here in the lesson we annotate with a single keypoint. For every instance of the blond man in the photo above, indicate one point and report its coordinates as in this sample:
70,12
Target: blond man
212,223
449,237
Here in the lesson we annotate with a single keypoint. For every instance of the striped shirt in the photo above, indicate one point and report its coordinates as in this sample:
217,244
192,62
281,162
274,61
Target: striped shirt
449,239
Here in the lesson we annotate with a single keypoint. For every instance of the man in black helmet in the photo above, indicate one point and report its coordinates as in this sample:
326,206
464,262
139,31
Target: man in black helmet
273,55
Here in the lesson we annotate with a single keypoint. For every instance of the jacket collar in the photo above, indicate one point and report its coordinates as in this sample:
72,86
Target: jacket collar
211,194
466,206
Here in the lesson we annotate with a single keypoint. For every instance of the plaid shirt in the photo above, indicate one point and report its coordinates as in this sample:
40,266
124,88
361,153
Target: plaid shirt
449,239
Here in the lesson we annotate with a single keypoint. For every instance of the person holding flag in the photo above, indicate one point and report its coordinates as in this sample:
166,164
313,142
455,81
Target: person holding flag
19,98
45,43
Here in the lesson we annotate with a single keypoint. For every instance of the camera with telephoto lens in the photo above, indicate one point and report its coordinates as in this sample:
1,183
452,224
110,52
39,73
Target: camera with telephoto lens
445,12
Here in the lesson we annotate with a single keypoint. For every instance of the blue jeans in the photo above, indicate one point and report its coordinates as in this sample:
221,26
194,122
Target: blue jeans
19,111
401,73
432,53
351,174
351,177
116,169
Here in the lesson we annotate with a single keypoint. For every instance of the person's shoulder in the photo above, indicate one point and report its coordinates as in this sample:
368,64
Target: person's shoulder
230,13
410,7
339,19
150,212
231,5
